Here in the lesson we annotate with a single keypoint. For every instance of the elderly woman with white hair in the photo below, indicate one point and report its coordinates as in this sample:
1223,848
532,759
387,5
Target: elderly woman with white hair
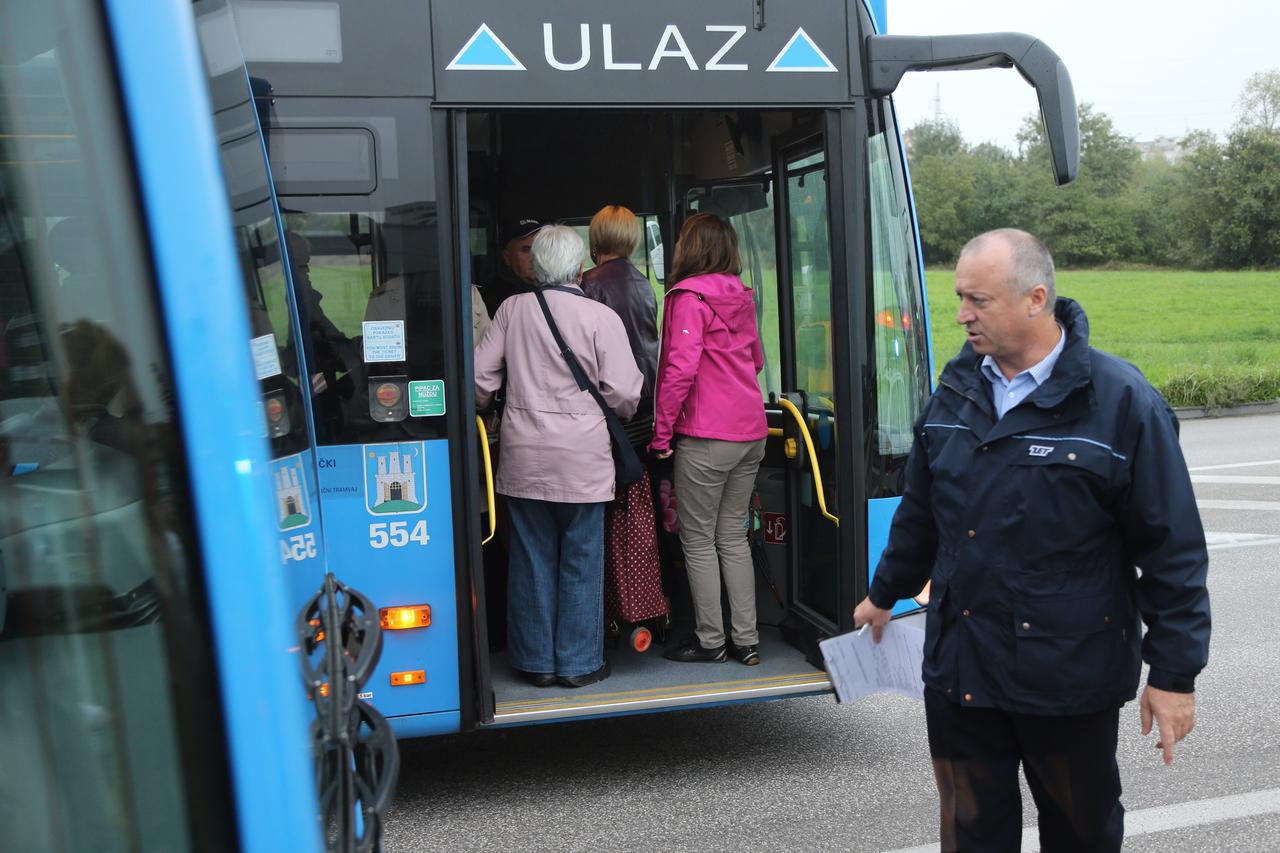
557,467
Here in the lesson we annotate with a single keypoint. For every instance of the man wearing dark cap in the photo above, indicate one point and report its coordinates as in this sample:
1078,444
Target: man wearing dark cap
515,236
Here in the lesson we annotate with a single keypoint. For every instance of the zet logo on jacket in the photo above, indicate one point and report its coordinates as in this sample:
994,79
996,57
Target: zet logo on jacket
1039,450
395,481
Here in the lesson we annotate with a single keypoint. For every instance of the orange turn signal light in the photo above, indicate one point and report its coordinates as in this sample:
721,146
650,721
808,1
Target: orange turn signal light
399,618
409,676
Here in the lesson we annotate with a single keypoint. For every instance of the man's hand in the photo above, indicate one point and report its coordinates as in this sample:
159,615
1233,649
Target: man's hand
867,613
1174,713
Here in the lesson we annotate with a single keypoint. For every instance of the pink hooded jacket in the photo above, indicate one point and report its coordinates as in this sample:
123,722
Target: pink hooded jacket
711,355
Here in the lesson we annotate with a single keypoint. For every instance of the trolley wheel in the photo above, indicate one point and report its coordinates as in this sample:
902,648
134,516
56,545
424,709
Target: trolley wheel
641,639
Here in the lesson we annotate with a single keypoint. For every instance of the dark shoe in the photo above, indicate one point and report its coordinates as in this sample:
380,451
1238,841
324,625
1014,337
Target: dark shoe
691,651
537,679
583,680
745,655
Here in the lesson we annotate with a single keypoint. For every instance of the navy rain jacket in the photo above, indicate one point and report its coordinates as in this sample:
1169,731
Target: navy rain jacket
1031,527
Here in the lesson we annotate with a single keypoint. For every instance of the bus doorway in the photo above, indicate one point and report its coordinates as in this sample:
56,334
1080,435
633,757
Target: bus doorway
766,171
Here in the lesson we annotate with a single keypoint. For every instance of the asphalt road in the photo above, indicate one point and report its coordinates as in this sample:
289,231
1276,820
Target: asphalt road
809,774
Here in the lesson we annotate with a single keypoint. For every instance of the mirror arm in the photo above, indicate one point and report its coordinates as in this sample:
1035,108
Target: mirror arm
889,57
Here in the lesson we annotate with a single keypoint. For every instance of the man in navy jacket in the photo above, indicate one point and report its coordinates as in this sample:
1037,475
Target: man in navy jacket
1048,502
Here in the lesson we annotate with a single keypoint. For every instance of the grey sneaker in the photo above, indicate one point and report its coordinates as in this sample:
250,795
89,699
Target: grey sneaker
691,651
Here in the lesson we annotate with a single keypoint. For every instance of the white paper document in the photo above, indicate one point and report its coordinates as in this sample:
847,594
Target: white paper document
859,667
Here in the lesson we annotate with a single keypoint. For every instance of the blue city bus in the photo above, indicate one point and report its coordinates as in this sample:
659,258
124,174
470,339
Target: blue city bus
400,134
322,181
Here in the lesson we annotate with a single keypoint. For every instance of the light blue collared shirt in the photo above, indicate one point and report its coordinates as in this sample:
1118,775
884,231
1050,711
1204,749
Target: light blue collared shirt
1010,392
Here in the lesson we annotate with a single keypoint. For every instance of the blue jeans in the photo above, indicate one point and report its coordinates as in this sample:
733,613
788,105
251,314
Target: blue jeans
555,587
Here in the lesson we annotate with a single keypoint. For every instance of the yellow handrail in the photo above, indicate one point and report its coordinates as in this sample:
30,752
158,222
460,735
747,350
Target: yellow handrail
488,479
813,457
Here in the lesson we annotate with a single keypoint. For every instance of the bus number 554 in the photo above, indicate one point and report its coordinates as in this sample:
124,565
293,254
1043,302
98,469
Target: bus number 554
300,547
397,534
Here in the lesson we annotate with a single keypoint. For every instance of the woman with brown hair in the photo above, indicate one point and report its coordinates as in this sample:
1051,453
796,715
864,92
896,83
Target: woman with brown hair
708,395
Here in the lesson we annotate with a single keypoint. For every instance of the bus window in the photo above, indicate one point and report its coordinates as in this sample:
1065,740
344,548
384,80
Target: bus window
811,277
108,735
656,250
803,181
749,208
366,275
898,340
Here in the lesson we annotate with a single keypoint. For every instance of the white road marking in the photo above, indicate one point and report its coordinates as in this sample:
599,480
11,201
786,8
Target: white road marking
1259,506
1235,465
1236,479
1221,541
1165,818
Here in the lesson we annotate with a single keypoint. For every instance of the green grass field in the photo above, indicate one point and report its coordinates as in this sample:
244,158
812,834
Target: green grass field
1203,338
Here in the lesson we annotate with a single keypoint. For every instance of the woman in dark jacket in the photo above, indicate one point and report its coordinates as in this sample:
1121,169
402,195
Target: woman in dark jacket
633,579
614,235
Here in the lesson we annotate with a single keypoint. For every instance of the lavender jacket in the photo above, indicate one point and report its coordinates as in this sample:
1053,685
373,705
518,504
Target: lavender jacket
555,445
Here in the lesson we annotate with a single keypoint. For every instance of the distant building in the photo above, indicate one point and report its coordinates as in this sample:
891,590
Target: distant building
1168,148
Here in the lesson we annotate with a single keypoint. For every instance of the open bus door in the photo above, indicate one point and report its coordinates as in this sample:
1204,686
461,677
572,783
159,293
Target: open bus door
811,422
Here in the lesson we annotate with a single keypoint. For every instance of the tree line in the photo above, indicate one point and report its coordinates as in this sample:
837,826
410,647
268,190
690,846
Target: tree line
1218,207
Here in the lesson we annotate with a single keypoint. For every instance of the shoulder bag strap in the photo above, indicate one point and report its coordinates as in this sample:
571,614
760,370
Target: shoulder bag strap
575,367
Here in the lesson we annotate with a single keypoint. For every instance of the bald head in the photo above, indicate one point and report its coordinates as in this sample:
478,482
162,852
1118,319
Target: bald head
1028,261
1004,280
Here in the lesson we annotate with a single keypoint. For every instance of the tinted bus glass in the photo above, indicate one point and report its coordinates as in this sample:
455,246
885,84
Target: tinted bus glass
367,273
897,323
109,737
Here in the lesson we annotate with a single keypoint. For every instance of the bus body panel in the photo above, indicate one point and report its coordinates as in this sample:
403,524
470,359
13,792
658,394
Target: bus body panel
426,725
177,159
879,519
389,528
878,9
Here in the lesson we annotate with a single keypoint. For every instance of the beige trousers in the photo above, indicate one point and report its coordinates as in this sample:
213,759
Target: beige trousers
713,481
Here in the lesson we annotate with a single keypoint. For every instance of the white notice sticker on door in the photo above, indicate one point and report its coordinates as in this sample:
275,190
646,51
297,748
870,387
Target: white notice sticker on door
266,359
383,340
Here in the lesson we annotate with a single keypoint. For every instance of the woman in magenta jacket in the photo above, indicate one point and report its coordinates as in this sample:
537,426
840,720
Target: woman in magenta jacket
709,397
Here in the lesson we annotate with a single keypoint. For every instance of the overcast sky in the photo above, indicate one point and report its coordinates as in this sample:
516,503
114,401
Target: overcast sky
1157,68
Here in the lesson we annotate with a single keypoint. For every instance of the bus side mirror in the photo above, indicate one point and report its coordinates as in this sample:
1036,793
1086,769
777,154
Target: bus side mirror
655,249
889,57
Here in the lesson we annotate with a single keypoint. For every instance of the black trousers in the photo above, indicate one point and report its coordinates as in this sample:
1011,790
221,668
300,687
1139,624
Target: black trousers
1069,762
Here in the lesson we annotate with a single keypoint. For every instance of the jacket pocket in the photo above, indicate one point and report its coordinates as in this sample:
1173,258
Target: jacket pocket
933,626
1063,492
688,414
1069,458
1067,646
